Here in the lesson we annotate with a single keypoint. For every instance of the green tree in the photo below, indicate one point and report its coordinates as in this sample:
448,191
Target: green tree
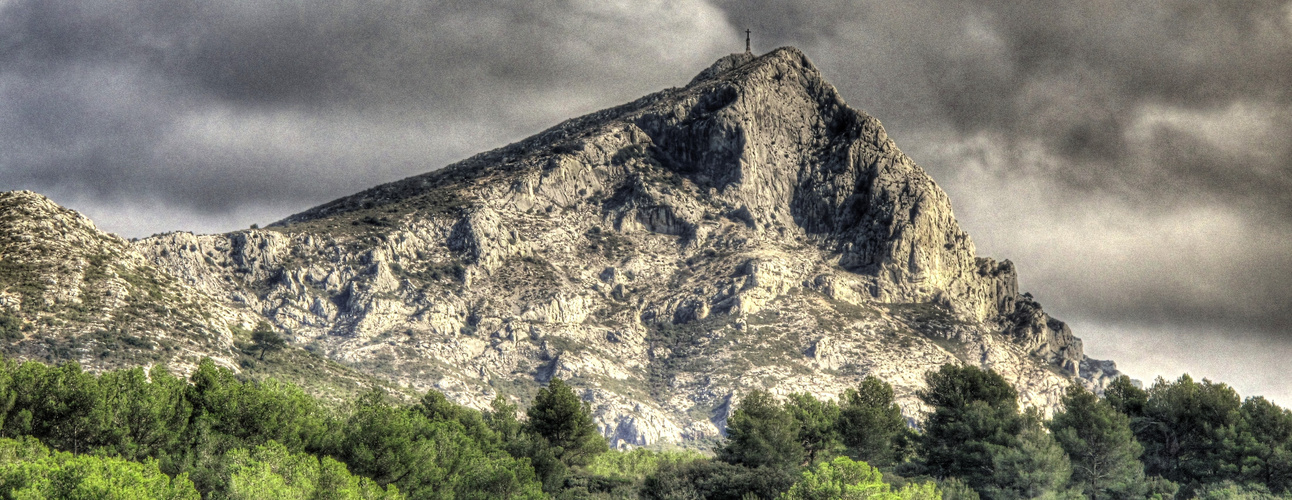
845,479
271,471
265,339
228,414
1265,439
1126,398
976,434
1100,444
1033,465
520,443
954,387
425,458
437,408
58,405
501,419
975,412
143,415
870,422
28,470
1189,431
818,426
565,421
762,433
395,446
716,480
254,412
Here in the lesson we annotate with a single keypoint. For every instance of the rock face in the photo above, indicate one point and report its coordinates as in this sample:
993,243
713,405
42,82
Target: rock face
59,271
749,230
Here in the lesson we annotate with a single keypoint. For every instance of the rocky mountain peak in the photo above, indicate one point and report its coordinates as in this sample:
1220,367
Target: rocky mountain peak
748,230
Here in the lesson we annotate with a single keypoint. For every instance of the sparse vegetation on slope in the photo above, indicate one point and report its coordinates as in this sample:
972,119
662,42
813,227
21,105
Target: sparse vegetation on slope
747,231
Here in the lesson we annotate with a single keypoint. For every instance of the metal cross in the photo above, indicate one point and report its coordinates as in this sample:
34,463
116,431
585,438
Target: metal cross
746,40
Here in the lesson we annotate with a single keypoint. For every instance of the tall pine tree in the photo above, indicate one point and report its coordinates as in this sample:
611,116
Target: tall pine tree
565,421
1189,431
818,429
870,422
1100,444
976,434
1265,437
762,433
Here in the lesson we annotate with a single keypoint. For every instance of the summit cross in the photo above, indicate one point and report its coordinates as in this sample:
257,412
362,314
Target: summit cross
746,40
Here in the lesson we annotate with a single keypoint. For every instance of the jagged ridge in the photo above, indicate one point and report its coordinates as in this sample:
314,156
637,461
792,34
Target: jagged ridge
747,230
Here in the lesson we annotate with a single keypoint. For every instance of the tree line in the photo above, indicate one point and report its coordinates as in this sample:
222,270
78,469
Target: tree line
1176,439
66,433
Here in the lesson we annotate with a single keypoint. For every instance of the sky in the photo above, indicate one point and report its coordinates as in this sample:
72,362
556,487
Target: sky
1132,158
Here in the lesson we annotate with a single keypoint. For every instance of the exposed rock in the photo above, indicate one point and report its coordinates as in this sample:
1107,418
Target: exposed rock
749,230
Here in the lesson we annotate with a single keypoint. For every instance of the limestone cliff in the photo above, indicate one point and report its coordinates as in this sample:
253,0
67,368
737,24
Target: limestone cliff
748,230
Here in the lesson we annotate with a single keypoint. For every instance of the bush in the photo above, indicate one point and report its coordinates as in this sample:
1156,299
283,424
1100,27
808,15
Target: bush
29,470
715,480
639,463
270,471
845,479
10,327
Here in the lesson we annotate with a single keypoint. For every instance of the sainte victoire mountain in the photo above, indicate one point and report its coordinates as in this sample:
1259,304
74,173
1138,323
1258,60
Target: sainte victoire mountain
747,230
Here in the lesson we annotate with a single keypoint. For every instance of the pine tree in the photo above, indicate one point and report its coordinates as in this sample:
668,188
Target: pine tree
977,435
1265,438
818,426
266,339
1126,398
762,433
565,421
1099,441
973,411
1033,465
870,421
1189,431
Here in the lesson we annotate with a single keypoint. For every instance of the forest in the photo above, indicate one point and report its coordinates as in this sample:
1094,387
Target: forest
67,433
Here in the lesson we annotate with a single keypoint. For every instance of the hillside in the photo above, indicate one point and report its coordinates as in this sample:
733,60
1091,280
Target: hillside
748,230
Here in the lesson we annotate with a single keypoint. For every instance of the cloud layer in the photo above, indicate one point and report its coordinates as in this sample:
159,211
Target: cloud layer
212,107
1132,158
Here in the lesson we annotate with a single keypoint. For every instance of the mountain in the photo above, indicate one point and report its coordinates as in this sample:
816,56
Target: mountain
748,230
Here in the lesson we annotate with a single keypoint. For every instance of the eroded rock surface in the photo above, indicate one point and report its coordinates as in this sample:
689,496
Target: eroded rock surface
749,230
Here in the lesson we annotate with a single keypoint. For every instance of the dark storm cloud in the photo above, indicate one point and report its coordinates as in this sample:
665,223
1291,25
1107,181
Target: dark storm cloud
212,106
1075,76
1168,107
1078,76
1132,157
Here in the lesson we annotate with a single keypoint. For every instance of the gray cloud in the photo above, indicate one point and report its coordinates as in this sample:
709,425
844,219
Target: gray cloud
1132,158
213,106
1095,254
1076,76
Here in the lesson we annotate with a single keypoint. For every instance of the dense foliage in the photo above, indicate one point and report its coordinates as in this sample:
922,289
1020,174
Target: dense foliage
1100,445
65,433
844,479
29,470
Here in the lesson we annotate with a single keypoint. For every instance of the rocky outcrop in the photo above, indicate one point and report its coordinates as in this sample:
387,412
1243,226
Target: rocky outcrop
81,293
749,230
